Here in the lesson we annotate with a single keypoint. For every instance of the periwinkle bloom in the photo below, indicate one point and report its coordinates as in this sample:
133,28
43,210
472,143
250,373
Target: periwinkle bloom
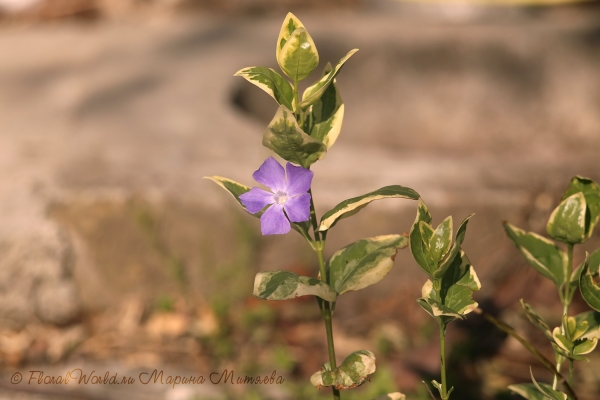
289,194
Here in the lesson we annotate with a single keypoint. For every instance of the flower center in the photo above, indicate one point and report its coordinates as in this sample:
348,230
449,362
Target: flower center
280,197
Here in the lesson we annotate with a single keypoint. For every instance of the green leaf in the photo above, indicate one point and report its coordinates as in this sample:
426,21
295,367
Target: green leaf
271,82
298,57
593,321
290,24
449,257
567,222
351,206
541,253
417,244
364,262
324,118
284,285
547,390
529,391
590,290
584,346
314,92
536,319
353,372
452,296
234,188
591,192
284,137
391,396
440,240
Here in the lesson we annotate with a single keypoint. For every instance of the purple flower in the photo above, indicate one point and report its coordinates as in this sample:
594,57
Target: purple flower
289,193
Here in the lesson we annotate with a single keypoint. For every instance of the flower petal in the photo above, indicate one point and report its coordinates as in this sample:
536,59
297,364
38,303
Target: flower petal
270,174
298,208
298,180
274,221
256,199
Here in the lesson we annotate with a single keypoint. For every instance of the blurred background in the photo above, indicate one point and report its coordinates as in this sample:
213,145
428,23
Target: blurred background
115,254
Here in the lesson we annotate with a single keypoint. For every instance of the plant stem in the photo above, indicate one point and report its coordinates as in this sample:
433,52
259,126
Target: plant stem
566,299
443,360
327,306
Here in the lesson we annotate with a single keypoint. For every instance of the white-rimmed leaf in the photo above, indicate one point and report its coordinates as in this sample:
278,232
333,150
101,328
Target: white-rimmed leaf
590,290
536,319
529,391
547,390
593,320
449,257
284,285
541,253
440,240
351,206
324,118
284,137
353,372
453,299
418,245
391,396
315,91
271,82
567,222
290,24
298,57
591,192
232,187
364,262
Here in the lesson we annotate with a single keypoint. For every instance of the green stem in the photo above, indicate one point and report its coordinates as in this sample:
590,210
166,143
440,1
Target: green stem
571,367
566,300
327,306
443,360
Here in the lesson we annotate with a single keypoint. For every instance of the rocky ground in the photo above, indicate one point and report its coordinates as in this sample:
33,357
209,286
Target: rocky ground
115,252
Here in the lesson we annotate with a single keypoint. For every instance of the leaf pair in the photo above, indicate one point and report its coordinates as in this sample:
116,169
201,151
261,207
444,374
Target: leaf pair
433,249
574,219
537,391
354,267
353,372
447,294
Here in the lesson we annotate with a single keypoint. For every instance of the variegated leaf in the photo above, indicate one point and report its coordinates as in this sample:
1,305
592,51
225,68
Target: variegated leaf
271,82
547,389
351,206
593,320
353,372
314,92
529,391
453,298
324,118
284,137
590,290
364,262
234,188
440,240
418,245
298,57
454,252
541,253
391,396
591,192
567,222
284,285
290,24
